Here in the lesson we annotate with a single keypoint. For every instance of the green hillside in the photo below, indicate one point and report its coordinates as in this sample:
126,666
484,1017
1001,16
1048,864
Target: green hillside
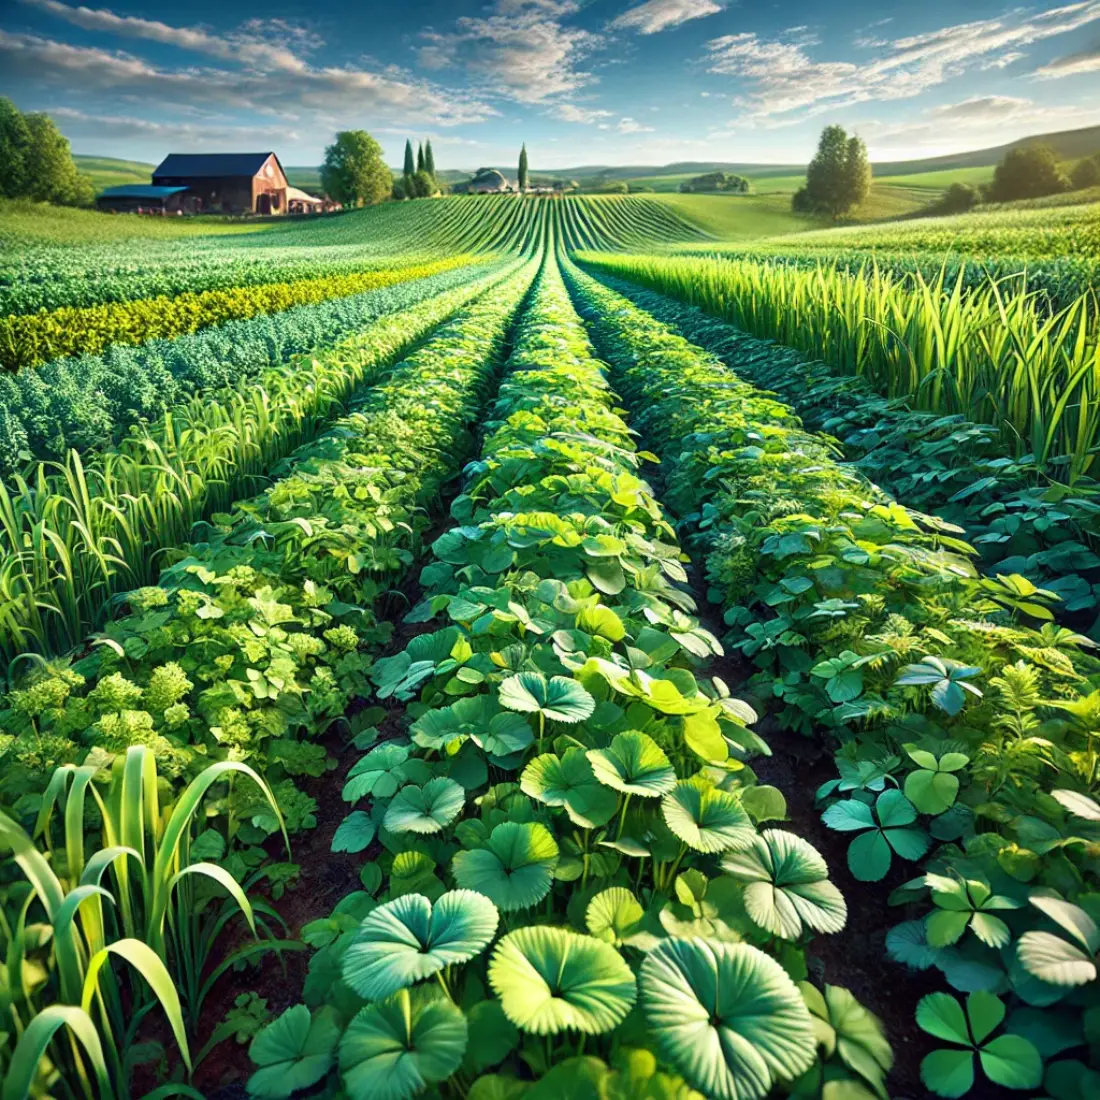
110,172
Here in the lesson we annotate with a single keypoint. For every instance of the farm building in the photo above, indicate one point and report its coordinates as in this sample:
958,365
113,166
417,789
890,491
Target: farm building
486,181
230,183
140,198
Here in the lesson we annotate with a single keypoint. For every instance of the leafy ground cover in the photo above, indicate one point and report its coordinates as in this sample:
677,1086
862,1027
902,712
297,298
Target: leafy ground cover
989,355
954,468
867,625
96,529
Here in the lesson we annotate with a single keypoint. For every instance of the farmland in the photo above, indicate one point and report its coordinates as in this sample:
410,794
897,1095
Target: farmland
510,646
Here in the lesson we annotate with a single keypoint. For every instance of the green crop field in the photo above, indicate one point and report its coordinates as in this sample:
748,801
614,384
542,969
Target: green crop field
571,646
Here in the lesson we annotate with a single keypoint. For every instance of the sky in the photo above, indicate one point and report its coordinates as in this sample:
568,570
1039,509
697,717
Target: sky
582,82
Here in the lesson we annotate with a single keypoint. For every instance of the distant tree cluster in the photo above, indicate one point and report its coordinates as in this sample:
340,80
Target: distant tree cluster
355,172
716,181
36,162
418,180
1027,172
838,178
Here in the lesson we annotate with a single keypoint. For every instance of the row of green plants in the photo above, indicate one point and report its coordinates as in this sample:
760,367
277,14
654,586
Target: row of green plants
47,280
1056,281
964,737
29,339
1019,520
1050,231
994,356
245,653
74,535
566,889
91,402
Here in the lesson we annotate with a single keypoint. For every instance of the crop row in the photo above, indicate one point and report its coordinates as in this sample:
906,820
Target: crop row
945,465
89,403
988,357
1055,281
247,650
570,870
1050,233
29,339
70,539
955,722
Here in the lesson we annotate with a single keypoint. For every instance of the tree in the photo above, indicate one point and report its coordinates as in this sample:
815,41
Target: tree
1026,173
429,159
839,176
15,140
1086,173
50,173
423,185
958,198
522,177
354,172
410,164
857,172
420,158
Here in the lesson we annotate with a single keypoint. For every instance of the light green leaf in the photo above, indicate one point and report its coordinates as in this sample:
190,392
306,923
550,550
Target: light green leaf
558,698
427,809
706,818
515,868
633,764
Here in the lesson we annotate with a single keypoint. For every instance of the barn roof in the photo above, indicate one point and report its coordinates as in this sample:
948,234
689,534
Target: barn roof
206,165
140,191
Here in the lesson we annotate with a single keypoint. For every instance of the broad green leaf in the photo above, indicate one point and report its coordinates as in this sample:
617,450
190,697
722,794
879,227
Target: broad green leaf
726,1016
515,868
550,979
397,1048
849,816
633,764
293,1052
557,698
948,1073
614,915
427,809
569,781
869,857
1012,1061
1053,959
986,1013
894,809
787,887
941,1015
706,818
410,939
355,833
492,1036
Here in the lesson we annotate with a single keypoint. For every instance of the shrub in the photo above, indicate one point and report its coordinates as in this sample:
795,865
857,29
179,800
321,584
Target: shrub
959,197
1027,173
1086,173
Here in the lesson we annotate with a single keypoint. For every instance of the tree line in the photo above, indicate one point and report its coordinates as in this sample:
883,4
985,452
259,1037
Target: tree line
36,162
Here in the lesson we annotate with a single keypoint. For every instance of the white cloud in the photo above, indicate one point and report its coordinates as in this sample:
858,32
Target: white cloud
1084,61
786,78
77,125
335,96
659,15
246,46
632,126
971,123
570,112
522,50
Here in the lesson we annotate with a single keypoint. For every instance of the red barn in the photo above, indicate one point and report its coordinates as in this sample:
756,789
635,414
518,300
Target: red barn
229,183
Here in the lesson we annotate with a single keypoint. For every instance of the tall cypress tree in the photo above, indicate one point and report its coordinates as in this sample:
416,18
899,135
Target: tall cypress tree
410,164
420,158
429,159
522,180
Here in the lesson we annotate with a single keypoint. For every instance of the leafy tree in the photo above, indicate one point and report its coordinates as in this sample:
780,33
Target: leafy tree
839,176
355,172
522,177
1086,173
614,187
716,181
420,157
429,159
15,140
423,185
410,164
857,172
958,198
50,173
1027,173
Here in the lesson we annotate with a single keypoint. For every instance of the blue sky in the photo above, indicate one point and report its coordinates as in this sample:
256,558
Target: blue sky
581,81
